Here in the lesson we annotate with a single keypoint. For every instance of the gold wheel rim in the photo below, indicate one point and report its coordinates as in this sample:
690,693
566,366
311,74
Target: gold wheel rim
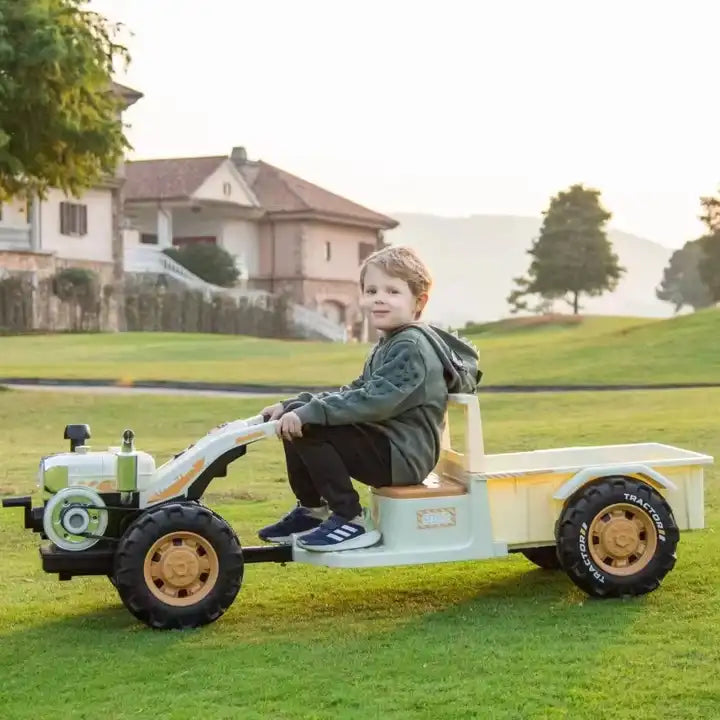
622,539
181,568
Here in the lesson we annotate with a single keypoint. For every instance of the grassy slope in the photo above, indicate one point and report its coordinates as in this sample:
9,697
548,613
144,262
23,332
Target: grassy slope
600,350
494,639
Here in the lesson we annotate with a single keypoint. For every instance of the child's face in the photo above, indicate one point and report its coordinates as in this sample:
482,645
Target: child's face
388,300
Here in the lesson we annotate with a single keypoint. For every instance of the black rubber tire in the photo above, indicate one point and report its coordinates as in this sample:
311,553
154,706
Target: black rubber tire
544,557
140,537
574,525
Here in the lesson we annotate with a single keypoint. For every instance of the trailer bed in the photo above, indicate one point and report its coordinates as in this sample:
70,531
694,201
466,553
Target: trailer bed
573,459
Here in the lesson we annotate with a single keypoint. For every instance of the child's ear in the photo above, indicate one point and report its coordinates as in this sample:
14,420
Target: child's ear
420,304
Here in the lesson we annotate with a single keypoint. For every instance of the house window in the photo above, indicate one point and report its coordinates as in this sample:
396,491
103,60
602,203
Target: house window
73,219
148,239
364,251
328,253
195,240
227,189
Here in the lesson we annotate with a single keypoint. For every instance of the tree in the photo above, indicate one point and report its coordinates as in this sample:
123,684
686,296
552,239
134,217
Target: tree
212,263
710,267
711,213
572,256
60,120
710,243
682,283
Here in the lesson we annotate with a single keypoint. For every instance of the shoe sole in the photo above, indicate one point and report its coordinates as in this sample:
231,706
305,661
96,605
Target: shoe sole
368,539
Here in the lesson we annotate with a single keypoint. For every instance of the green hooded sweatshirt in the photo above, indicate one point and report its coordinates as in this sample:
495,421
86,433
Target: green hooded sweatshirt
403,392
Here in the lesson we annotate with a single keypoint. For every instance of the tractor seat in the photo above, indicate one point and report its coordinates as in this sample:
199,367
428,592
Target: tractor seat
434,485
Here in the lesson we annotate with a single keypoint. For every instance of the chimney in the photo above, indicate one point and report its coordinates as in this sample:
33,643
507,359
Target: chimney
239,155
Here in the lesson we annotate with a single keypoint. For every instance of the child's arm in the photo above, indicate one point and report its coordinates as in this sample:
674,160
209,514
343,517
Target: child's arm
306,397
394,386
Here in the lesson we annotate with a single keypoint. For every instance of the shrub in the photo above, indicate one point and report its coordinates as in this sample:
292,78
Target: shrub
212,263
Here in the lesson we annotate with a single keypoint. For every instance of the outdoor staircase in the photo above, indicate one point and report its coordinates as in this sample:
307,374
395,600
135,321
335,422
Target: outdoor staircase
149,259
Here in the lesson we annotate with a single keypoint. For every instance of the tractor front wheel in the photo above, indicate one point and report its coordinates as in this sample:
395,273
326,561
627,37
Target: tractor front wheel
178,566
617,537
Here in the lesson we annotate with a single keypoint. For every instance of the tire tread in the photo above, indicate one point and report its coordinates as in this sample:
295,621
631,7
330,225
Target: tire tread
137,540
583,507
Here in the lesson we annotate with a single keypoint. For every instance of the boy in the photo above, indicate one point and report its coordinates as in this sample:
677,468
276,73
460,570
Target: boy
382,429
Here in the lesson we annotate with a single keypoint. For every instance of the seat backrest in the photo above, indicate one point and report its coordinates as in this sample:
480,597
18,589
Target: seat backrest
472,460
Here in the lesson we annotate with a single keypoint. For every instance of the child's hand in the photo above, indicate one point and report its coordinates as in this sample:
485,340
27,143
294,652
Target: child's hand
272,412
289,426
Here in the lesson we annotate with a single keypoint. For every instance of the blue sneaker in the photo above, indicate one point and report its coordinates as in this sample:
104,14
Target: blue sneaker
298,521
336,533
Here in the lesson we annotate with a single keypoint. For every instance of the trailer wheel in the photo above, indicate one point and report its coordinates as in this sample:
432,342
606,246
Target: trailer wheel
178,566
617,537
544,557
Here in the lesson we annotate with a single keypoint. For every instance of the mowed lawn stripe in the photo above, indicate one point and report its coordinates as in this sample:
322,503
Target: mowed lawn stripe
598,350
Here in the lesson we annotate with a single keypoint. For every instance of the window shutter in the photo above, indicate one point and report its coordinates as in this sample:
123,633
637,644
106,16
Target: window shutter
73,219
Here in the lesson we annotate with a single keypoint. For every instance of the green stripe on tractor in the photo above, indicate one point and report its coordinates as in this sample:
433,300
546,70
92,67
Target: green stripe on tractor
126,472
55,478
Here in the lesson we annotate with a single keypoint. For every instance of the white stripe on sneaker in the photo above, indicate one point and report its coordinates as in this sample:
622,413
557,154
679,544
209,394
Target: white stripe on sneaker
349,528
342,532
335,537
364,540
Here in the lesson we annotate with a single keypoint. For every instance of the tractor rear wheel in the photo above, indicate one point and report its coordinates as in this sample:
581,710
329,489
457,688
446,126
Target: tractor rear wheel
544,557
178,566
617,537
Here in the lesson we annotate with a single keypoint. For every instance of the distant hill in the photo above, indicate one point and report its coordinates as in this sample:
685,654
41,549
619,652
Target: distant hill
474,259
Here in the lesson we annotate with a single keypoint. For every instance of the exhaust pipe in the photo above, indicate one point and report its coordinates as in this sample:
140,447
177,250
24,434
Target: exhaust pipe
33,516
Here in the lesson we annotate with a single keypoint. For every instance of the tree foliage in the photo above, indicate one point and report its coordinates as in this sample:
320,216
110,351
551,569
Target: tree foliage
682,283
572,256
74,284
710,243
59,117
209,262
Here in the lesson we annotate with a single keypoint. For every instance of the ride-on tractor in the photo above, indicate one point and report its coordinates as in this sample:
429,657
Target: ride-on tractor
609,516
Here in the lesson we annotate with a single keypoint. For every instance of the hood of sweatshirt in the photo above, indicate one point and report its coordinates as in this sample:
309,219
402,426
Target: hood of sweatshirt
458,355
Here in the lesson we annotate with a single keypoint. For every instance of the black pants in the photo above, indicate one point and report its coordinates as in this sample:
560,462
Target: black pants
322,461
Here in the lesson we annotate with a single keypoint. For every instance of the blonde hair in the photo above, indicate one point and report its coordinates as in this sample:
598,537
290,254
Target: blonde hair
400,262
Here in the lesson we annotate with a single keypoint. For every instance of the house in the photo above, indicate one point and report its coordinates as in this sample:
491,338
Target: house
289,235
44,235
189,200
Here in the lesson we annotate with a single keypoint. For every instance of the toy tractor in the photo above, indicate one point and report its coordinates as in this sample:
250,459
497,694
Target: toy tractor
609,516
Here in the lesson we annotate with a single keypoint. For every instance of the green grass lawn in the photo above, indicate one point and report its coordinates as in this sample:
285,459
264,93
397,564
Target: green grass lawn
493,639
598,350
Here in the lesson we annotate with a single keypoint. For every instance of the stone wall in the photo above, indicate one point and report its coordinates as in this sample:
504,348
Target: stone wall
152,305
30,274
16,302
27,261
28,303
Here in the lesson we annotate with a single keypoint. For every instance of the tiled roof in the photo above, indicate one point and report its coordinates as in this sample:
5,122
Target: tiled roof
280,192
176,179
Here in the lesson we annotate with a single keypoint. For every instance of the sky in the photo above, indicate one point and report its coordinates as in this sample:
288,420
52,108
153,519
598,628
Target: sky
450,108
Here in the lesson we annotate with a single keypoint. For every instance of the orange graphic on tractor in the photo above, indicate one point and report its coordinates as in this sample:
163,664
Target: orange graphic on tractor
175,487
247,438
